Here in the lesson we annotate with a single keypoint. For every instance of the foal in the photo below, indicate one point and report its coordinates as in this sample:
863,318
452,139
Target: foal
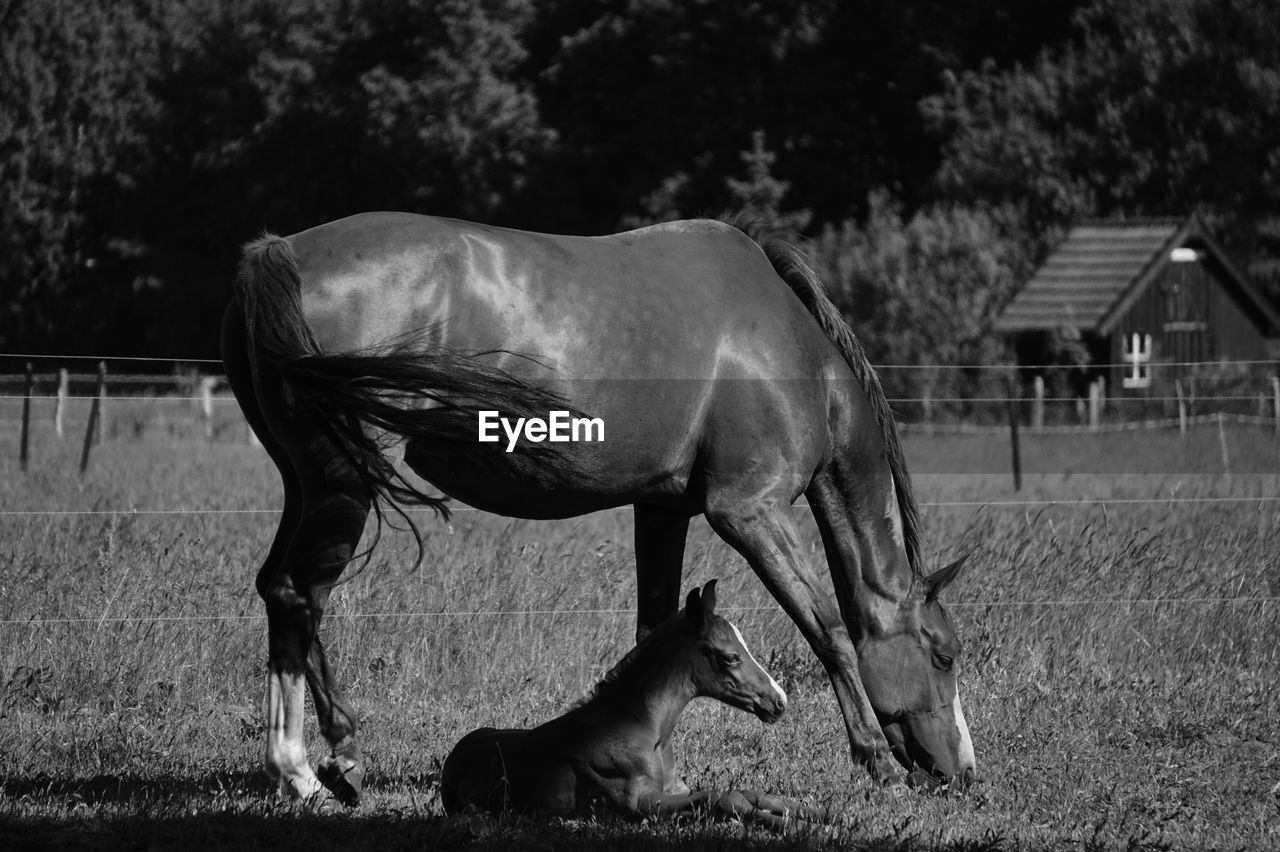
608,750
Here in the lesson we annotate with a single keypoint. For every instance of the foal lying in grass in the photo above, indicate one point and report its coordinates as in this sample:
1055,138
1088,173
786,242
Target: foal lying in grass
608,751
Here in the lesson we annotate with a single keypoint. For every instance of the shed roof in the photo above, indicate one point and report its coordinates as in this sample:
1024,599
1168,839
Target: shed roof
1088,273
1102,267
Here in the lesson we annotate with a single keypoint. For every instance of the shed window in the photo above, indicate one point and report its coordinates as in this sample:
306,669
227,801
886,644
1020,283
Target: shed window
1137,357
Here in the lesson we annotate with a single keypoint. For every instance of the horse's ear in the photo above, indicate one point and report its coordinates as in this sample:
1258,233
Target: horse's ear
709,597
940,579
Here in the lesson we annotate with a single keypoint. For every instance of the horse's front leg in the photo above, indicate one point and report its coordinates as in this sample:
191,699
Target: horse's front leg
765,534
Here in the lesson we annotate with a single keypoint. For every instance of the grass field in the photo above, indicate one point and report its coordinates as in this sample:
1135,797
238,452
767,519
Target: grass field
1120,674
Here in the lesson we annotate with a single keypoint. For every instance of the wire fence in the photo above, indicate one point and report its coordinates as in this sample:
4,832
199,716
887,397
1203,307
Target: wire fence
924,504
530,613
939,397
198,383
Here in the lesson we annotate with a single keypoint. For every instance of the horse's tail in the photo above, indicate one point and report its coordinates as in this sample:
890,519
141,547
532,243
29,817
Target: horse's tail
792,267
363,400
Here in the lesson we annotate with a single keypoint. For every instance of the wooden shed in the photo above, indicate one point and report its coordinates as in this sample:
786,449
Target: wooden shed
1149,298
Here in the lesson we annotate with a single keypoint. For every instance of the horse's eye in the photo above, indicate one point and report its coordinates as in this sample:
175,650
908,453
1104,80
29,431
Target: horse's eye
730,660
943,661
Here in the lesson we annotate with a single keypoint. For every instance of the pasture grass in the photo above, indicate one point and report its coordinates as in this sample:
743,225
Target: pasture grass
1119,672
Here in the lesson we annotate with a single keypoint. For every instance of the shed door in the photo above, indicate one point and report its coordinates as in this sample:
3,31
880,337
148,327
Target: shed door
1186,332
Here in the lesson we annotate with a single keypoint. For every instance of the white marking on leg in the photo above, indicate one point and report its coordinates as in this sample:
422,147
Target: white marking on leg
966,758
772,682
286,750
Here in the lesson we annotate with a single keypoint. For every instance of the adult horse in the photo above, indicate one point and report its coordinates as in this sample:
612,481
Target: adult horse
727,383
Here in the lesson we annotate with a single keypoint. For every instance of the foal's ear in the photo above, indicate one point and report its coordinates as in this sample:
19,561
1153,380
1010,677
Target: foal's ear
940,579
693,608
700,603
709,597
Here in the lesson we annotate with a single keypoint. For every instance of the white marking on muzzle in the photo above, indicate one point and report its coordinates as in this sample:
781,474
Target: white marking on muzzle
966,758
772,682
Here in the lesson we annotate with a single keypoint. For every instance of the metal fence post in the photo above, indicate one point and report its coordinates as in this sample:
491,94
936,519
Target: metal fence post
26,419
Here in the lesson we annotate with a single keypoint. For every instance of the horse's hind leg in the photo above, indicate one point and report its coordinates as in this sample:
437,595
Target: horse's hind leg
659,540
295,587
323,518
342,769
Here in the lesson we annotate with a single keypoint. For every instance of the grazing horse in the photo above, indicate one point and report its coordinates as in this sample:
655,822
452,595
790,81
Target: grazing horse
727,383
608,752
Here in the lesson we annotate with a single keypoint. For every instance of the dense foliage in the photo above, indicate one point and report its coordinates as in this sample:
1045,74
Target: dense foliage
930,149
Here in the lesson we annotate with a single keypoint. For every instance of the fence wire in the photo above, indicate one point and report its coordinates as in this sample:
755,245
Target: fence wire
523,613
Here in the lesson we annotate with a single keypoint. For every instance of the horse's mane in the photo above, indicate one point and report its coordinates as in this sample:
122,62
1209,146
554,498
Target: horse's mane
793,268
611,676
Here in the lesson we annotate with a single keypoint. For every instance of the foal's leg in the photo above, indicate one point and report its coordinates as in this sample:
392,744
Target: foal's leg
773,811
746,805
760,527
659,540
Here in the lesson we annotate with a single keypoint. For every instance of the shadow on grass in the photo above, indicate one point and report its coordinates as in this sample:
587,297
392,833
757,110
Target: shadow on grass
230,810
234,810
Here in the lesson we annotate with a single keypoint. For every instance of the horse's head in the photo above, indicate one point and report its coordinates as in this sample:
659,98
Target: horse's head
723,668
908,669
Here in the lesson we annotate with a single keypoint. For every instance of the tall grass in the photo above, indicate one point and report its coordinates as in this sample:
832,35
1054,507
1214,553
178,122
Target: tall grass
1119,669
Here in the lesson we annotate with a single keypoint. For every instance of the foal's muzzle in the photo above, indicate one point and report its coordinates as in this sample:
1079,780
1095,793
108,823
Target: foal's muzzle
770,708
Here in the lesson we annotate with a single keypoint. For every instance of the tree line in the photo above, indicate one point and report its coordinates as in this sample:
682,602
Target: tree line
928,152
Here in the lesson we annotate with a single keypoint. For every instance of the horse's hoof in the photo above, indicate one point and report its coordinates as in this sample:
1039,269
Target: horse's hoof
919,779
888,774
322,803
343,777
675,786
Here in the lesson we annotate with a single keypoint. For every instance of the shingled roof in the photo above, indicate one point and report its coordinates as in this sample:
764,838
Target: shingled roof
1101,269
1089,272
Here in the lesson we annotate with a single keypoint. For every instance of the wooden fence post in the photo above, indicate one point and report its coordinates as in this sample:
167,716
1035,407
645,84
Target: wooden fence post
206,403
60,405
101,401
1095,404
1037,402
1222,442
26,418
93,433
1013,435
1182,406
1275,396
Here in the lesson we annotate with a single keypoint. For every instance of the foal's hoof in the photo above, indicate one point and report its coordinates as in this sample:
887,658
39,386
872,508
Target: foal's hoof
343,777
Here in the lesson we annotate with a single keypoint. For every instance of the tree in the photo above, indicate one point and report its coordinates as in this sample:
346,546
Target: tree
70,109
921,291
1156,107
280,116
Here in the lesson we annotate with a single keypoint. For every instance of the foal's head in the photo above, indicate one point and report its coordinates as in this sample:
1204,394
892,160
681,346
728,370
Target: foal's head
722,666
